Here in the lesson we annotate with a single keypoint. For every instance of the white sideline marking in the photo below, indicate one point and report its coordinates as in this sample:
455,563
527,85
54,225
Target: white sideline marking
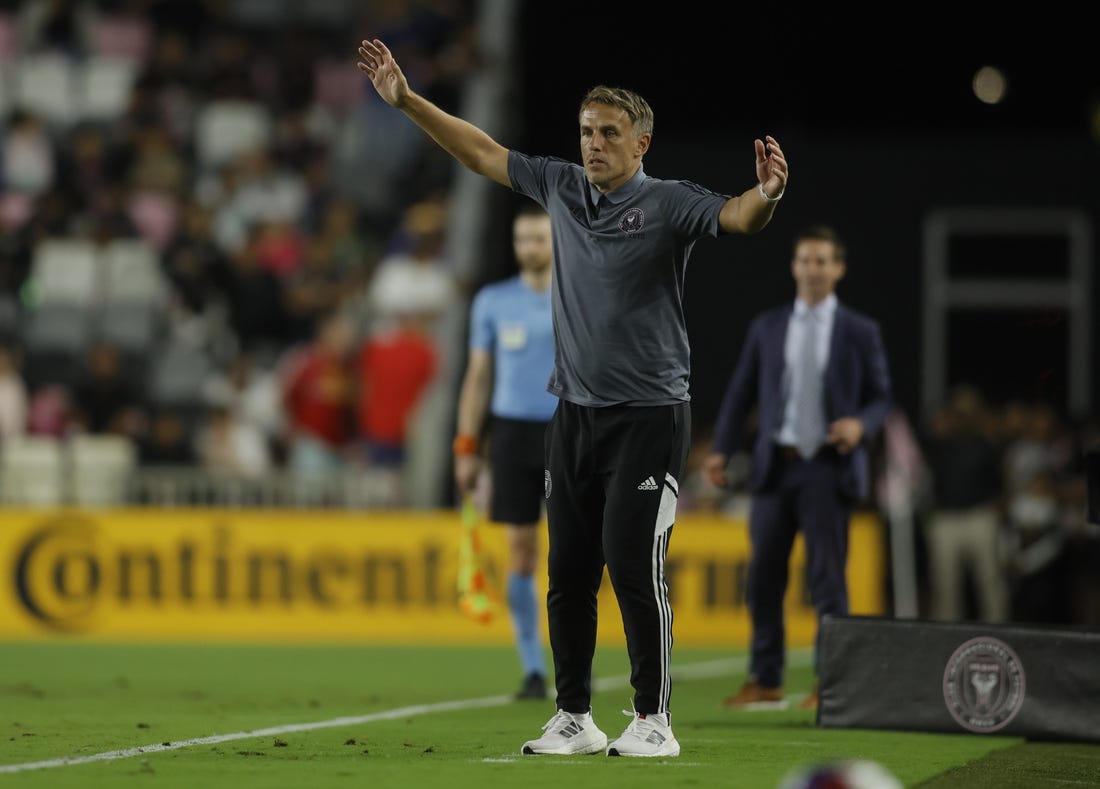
712,668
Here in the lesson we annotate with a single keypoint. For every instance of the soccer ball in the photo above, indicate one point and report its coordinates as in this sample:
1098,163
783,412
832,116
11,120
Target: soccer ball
852,774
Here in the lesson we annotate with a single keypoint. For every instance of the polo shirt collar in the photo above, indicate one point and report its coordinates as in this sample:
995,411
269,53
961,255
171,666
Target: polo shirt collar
621,194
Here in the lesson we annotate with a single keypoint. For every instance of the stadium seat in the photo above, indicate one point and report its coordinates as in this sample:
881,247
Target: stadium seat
131,273
66,270
16,208
227,127
104,85
177,376
99,469
122,36
328,14
9,38
32,471
136,328
337,86
11,318
44,86
59,326
56,339
7,88
259,14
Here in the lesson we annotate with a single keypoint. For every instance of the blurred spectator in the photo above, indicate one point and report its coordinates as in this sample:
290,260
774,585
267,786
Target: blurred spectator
255,298
195,266
317,398
280,247
375,159
251,394
436,43
167,442
105,217
416,279
14,401
1084,538
315,289
193,20
254,190
1036,446
56,25
1038,561
105,401
319,191
227,444
28,161
170,76
15,260
226,68
158,164
87,165
395,365
963,530
1038,457
355,250
50,411
51,217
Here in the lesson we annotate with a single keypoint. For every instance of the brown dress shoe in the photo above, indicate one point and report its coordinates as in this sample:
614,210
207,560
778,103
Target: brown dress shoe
753,695
811,700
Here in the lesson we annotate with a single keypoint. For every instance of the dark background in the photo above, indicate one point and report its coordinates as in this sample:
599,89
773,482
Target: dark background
878,120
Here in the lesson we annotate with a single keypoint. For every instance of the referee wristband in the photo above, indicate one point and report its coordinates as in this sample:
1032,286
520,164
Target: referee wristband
775,199
464,445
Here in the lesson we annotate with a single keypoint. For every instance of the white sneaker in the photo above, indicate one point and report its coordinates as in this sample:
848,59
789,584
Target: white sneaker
647,735
568,733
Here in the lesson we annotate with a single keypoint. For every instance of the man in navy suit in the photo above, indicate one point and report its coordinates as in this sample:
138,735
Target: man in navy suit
817,374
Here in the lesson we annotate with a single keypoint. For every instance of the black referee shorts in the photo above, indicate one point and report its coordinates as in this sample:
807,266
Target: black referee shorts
516,464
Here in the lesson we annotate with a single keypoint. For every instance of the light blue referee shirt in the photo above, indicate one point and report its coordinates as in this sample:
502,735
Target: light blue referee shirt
513,323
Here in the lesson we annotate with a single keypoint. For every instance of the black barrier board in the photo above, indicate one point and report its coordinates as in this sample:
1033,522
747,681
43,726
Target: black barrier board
1023,681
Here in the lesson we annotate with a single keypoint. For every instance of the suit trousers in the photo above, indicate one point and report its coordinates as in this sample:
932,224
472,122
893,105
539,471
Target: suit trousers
799,496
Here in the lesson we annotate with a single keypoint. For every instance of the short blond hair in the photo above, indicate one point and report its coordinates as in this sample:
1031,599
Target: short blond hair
636,108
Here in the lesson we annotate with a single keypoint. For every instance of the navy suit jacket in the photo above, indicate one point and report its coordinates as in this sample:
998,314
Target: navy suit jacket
857,384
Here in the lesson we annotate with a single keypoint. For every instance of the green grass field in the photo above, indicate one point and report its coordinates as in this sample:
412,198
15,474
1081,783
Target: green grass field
99,715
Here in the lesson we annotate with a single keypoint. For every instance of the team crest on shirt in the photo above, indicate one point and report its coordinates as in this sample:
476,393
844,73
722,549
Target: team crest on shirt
632,220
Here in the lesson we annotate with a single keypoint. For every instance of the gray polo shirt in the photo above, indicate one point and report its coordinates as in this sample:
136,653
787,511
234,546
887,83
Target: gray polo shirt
618,285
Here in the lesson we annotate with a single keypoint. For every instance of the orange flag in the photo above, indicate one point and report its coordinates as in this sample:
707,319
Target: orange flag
477,596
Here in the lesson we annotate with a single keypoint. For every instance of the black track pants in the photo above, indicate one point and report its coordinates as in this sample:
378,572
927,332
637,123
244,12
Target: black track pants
612,477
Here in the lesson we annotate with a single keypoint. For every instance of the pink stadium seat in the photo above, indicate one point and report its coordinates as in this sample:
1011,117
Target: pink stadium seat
15,210
122,36
337,86
9,37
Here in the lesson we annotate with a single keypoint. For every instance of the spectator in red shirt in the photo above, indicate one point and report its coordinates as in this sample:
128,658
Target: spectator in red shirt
317,398
395,365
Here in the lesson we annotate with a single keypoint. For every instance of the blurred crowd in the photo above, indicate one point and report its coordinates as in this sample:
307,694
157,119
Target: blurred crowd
1002,504
217,243
278,304
997,496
